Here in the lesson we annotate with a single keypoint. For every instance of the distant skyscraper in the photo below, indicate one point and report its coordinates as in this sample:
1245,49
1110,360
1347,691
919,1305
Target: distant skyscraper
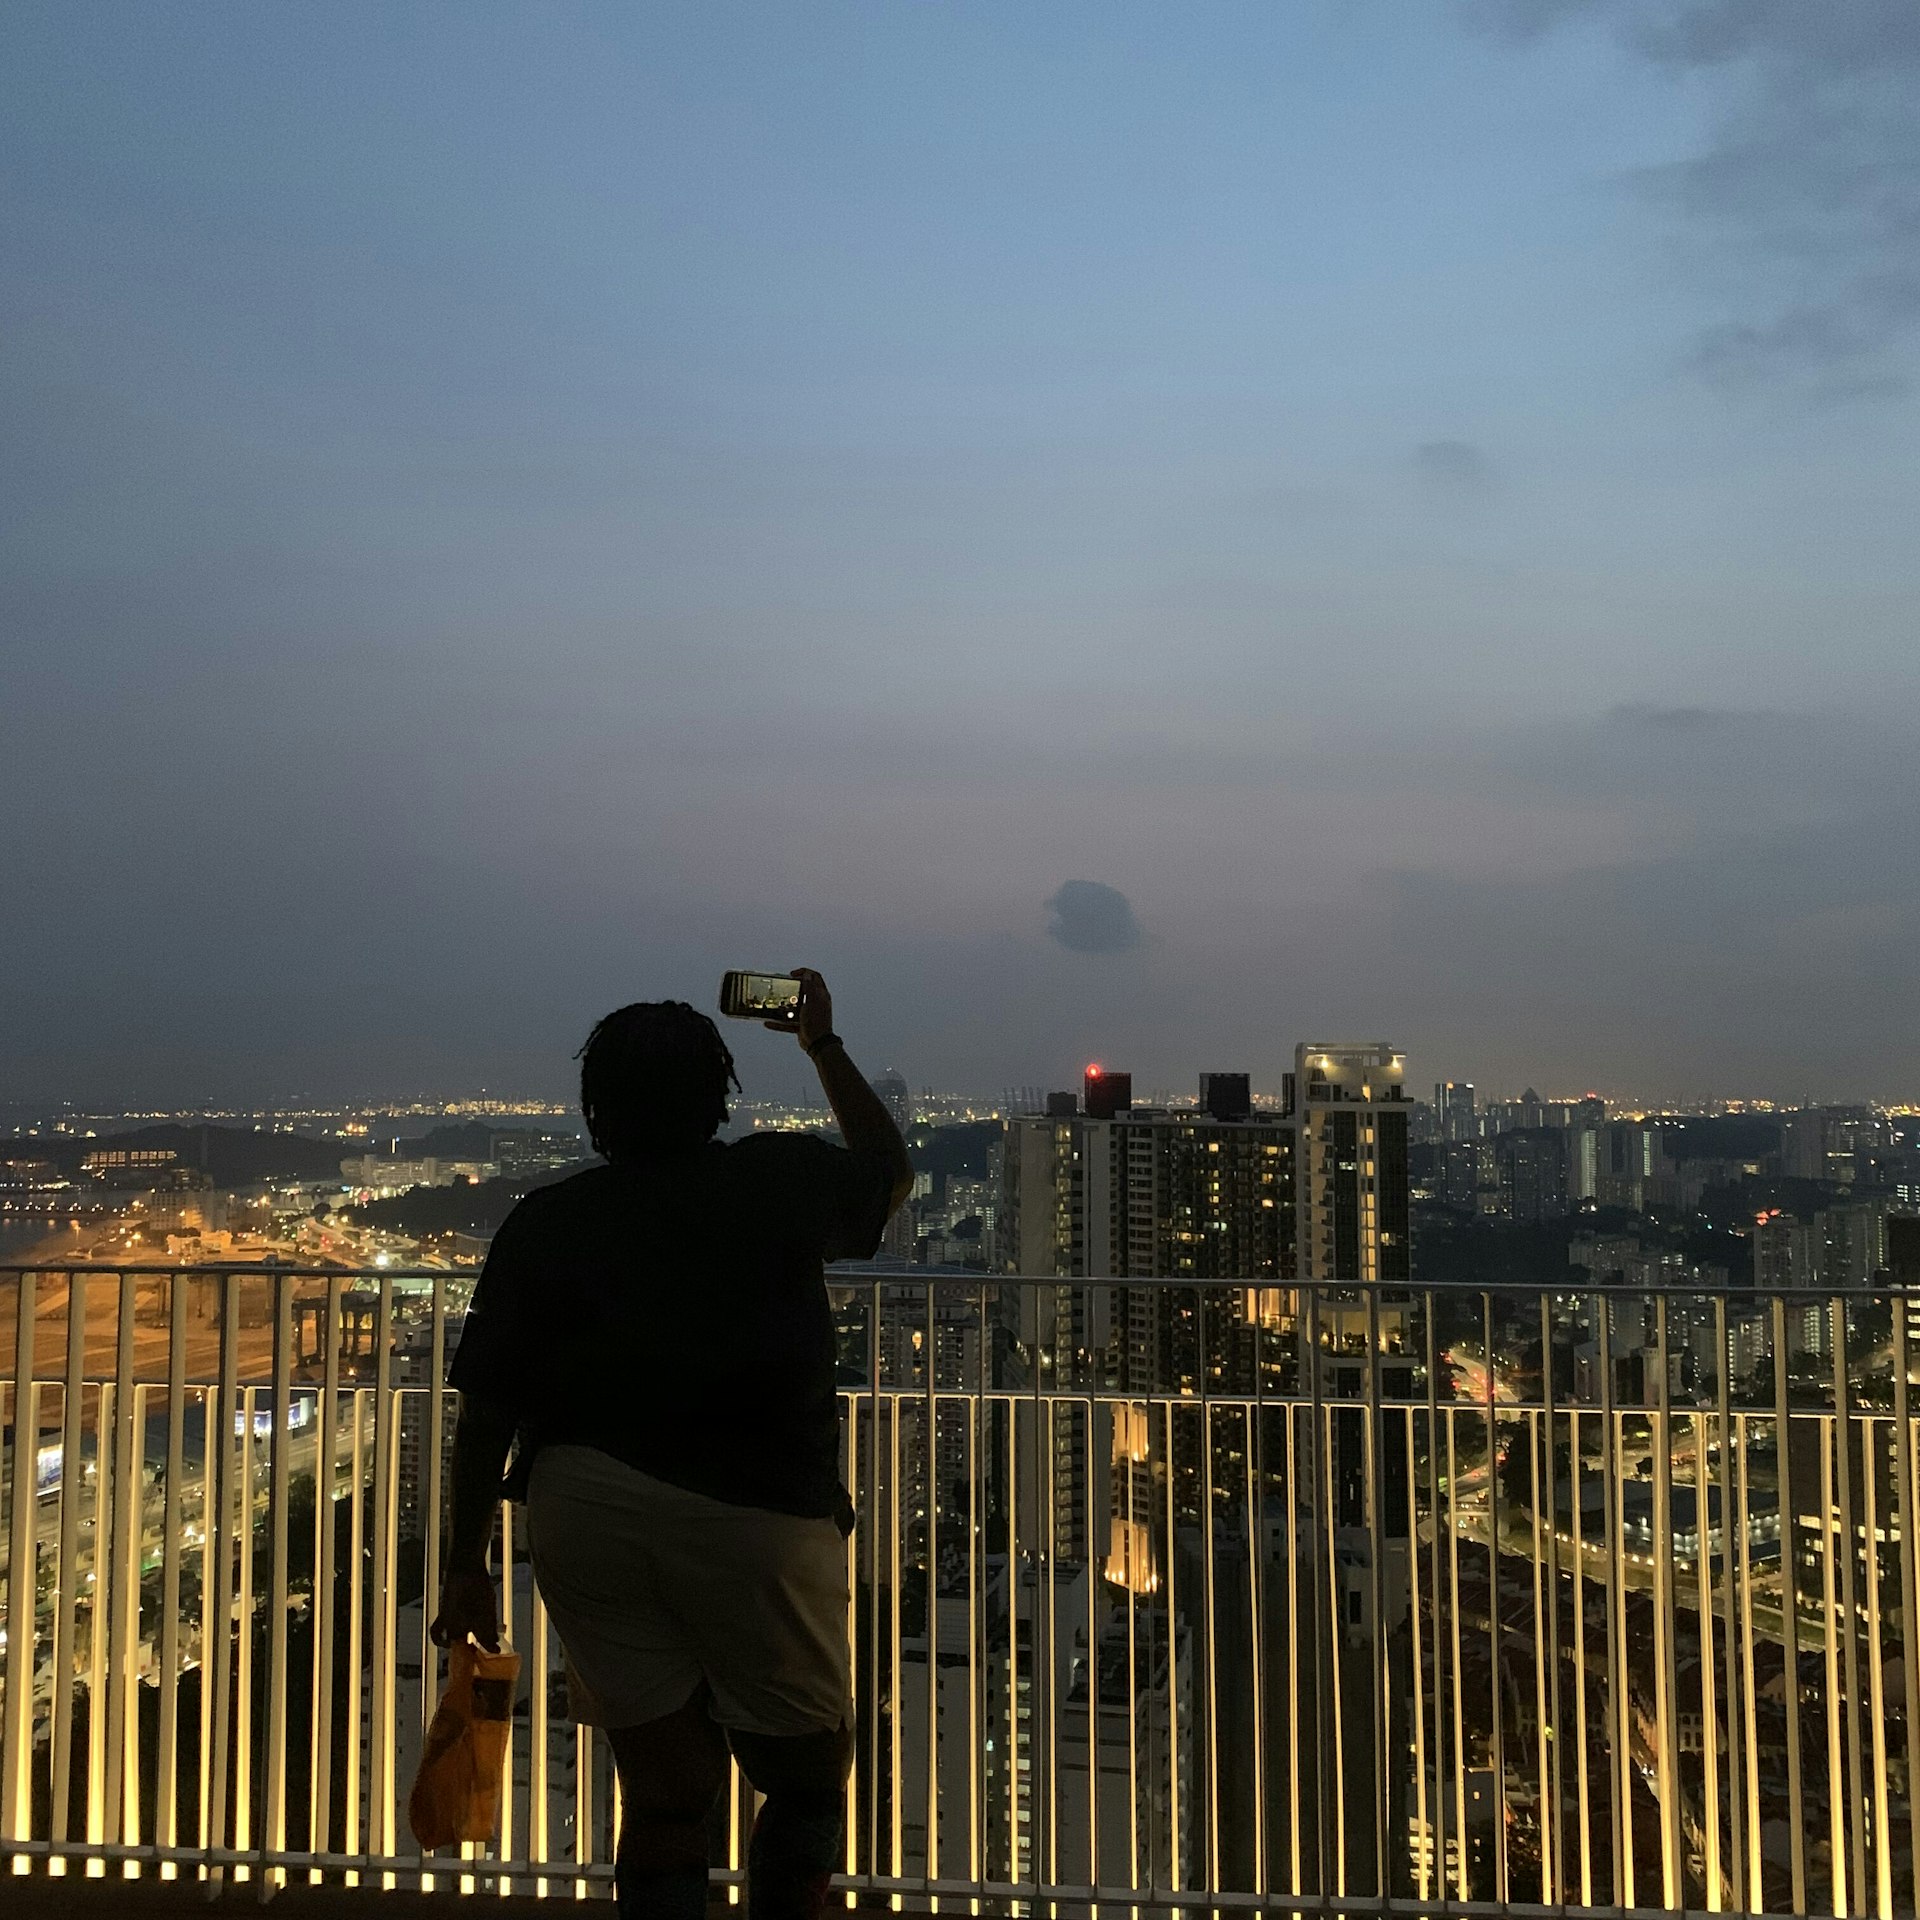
1352,1211
1453,1111
1630,1164
1585,1118
1532,1168
895,1097
1352,1194
1803,1145
1107,1093
1363,1335
1460,1175
1148,1194
1903,1267
1226,1096
900,1241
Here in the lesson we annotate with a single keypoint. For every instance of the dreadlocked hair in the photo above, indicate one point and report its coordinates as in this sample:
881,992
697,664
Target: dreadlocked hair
653,1079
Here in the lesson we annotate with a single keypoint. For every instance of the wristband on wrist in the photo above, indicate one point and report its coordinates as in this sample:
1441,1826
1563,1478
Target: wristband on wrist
828,1039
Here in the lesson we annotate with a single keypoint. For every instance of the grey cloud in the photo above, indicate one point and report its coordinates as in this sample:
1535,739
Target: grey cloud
1807,196
1522,20
1862,322
1670,719
1704,771
1784,961
1453,466
1086,917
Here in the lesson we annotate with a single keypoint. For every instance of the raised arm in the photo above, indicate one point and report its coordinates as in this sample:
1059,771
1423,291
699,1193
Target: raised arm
865,1124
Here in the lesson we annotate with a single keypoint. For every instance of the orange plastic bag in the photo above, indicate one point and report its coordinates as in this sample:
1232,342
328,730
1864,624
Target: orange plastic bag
456,1792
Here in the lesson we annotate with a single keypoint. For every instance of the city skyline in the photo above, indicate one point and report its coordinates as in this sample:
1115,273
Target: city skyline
1029,1094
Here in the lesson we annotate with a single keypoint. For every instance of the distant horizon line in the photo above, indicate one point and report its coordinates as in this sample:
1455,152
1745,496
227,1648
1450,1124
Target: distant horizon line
64,1114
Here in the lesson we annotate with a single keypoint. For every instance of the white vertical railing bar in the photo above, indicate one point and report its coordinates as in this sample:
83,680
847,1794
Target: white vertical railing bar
1325,1611
977,1406
539,1842
1495,1687
167,1739
1546,1509
931,1599
380,1820
1620,1763
1789,1605
873,1532
16,1736
1907,1514
117,1584
1750,1692
1167,1635
243,1649
1582,1728
896,1732
273,1834
1015,1859
1256,1505
505,1850
1441,1510
1457,1664
1732,1519
356,1623
1544,1596
1856,1787
1373,1446
850,1834
1665,1704
1296,1881
1830,1648
219,1444
1876,1680
99,1590
433,1447
1095,1702
1709,1690
1046,1771
1423,1808
326,1488
67,1591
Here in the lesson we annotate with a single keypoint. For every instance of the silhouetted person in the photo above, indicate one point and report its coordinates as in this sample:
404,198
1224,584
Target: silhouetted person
656,1332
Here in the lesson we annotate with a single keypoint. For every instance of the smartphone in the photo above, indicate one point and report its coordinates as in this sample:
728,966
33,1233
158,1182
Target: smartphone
760,996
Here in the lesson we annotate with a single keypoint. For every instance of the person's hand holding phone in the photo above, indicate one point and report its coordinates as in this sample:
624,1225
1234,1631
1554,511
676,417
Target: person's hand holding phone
813,1017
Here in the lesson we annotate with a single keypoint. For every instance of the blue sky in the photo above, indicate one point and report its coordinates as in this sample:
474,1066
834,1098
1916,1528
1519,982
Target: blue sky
512,508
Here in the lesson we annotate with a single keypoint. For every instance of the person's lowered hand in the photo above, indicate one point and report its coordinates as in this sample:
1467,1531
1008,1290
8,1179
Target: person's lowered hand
468,1605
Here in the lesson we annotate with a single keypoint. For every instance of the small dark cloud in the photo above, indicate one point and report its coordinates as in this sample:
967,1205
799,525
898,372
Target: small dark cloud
1453,466
1086,917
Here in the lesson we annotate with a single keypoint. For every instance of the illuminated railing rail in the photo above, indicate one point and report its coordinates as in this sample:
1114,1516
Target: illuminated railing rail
1165,1594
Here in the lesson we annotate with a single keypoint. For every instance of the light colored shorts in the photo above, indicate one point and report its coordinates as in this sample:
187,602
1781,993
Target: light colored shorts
655,1589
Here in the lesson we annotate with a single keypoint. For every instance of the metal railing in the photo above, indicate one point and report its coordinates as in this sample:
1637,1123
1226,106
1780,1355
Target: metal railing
1165,1594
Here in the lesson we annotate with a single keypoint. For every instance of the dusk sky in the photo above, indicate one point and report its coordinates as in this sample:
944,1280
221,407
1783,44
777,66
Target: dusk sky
511,509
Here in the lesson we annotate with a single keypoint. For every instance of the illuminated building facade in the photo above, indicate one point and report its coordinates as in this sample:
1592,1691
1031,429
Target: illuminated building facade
1135,1193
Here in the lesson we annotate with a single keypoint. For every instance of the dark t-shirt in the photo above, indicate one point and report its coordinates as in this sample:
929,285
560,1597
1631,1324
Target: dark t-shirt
673,1314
